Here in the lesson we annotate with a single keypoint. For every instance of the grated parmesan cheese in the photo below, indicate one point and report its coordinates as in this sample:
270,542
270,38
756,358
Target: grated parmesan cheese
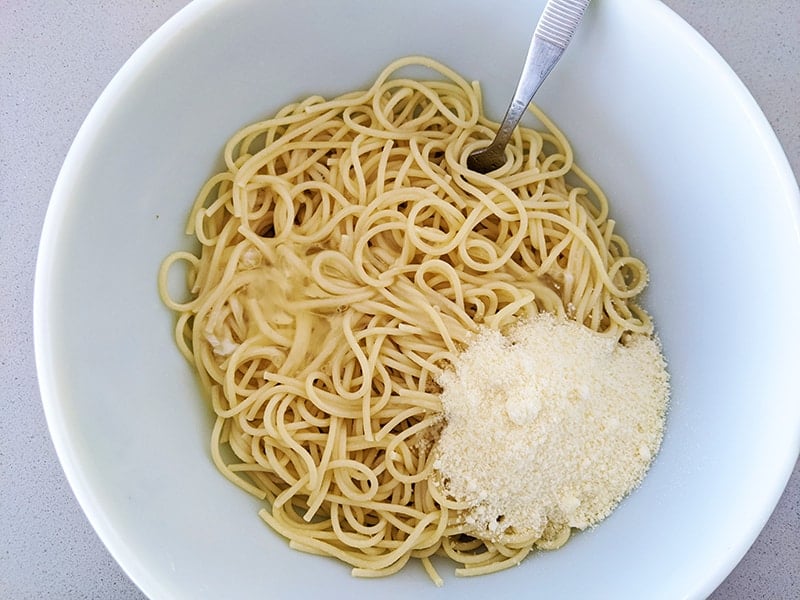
552,424
251,258
221,347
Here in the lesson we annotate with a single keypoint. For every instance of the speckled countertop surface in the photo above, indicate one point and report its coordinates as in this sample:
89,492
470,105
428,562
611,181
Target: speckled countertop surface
55,59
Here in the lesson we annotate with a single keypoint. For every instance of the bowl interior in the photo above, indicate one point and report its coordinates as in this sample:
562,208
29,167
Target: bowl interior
697,183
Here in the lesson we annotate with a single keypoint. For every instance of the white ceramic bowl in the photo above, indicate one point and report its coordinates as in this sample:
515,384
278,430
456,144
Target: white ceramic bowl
697,182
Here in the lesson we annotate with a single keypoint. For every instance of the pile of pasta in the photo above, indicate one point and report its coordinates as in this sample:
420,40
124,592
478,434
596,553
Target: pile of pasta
346,255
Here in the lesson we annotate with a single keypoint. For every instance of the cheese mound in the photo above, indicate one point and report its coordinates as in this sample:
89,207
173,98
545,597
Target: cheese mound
549,425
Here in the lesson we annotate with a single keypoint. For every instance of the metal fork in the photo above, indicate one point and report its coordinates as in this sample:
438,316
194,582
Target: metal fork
553,34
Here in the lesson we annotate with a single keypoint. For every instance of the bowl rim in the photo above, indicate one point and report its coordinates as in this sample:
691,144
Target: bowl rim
59,206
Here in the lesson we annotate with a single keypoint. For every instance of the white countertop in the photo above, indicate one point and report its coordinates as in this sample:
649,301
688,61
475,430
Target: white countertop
55,59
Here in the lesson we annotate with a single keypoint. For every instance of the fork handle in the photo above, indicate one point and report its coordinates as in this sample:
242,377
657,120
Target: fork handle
553,34
542,57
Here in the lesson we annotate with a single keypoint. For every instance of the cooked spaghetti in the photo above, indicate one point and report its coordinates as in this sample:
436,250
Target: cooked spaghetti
346,255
